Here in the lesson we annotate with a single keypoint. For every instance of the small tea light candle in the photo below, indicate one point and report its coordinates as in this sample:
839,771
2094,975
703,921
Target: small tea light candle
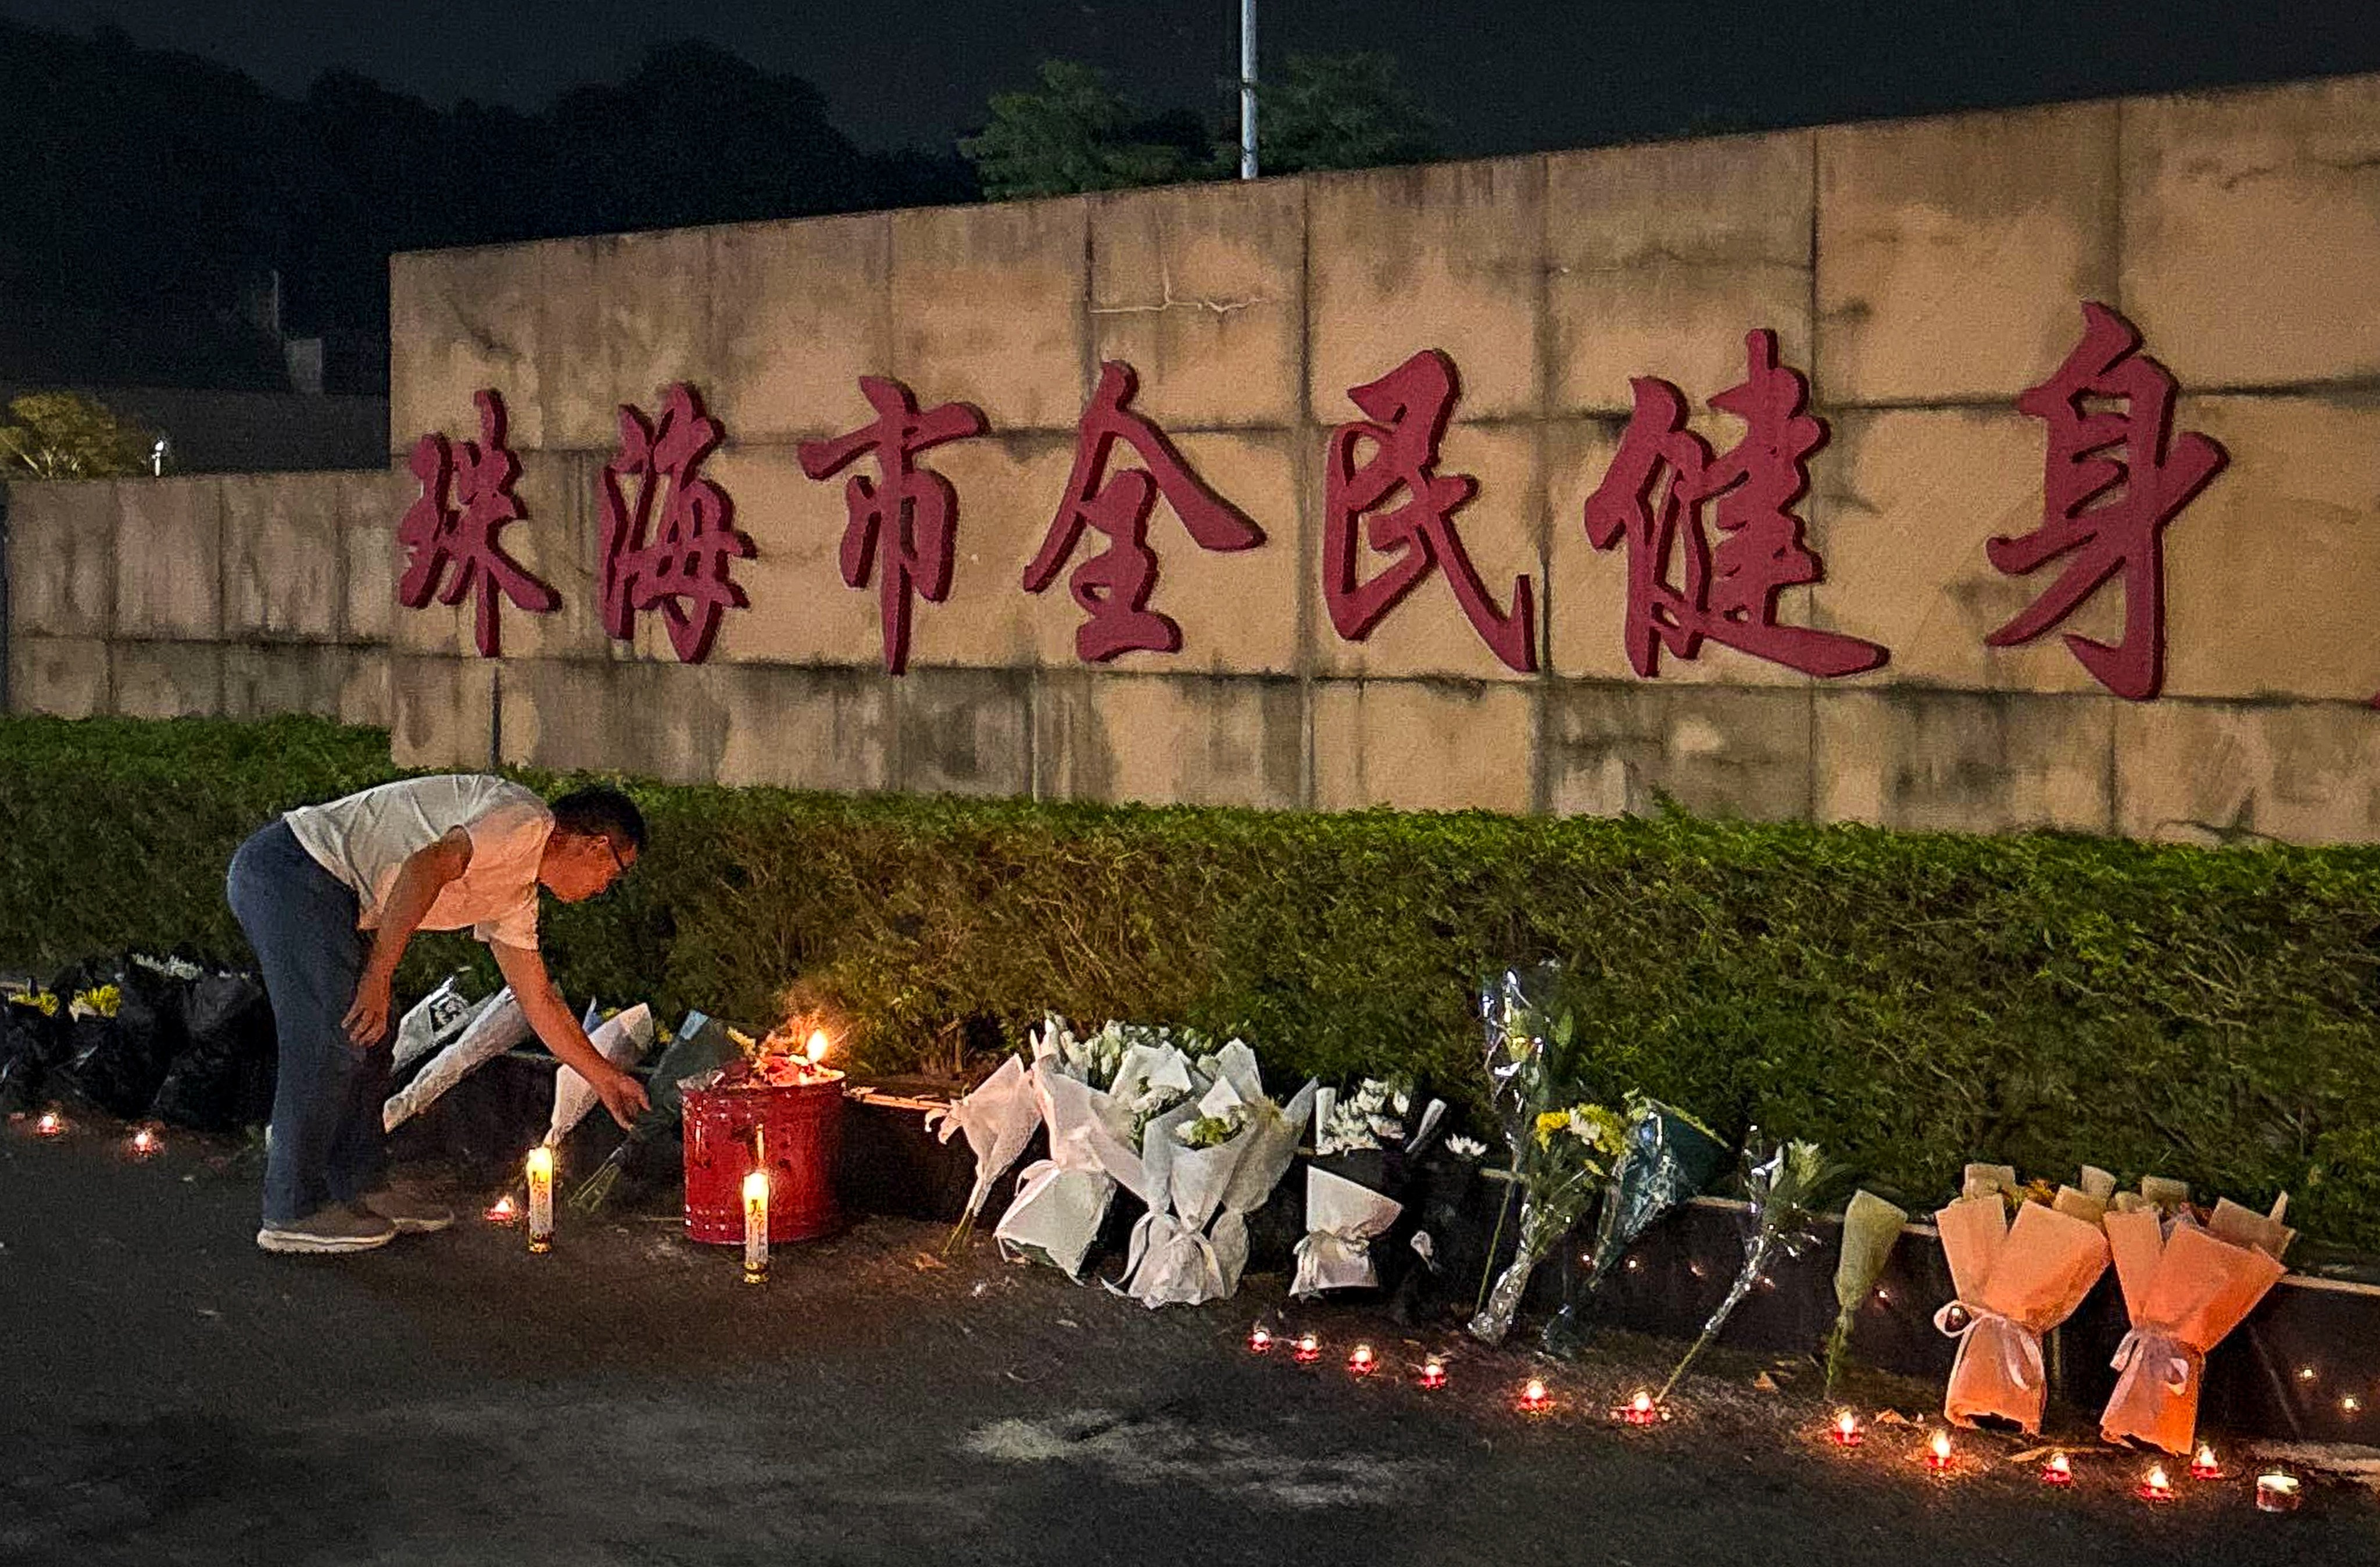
2276,1492
1259,1340
2204,1467
2058,1471
51,1125
1640,1410
1534,1400
1845,1432
2156,1488
1308,1350
541,1199
502,1211
1938,1450
755,1227
1361,1363
145,1142
1433,1373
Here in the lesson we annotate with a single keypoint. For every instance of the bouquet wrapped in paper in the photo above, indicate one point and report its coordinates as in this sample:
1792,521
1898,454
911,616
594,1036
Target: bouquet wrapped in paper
1368,1148
1343,1219
494,1030
1871,1228
1782,1193
1061,1201
1666,1158
432,1022
999,1117
1272,1130
622,1040
2185,1288
2015,1282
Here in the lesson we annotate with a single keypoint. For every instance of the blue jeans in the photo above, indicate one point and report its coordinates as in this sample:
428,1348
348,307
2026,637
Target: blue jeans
327,1142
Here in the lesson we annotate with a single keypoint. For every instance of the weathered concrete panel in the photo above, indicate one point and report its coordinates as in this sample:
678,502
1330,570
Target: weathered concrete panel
2252,232
560,542
169,559
1613,750
461,321
441,712
1954,253
261,680
1436,745
1170,739
61,557
990,307
623,316
284,555
365,695
1448,256
1502,530
799,313
57,676
2306,772
1588,587
1966,761
166,679
964,732
371,506
801,611
2273,573
805,728
651,719
1201,289
1904,503
1660,259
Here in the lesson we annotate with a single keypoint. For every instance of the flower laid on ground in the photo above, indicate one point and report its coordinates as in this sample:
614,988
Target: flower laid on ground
1371,1117
1871,1226
44,1002
1783,1192
106,1001
1466,1147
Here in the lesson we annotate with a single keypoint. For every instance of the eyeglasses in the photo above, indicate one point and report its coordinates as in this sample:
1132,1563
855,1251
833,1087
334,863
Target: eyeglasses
611,849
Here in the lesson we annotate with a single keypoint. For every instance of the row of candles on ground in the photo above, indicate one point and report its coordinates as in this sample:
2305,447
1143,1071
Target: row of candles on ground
143,1142
539,1171
2276,1491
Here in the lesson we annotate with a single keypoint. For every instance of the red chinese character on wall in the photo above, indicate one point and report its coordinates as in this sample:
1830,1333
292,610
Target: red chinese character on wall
1654,495
1113,586
1409,408
437,533
2114,477
682,570
910,513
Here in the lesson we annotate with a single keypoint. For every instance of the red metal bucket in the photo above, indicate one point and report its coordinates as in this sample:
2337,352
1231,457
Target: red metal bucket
797,1131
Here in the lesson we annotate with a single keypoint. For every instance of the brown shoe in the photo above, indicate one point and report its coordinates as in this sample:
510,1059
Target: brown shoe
411,1215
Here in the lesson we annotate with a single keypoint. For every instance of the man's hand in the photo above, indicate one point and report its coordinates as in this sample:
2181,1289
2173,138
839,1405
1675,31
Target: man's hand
367,1020
622,1095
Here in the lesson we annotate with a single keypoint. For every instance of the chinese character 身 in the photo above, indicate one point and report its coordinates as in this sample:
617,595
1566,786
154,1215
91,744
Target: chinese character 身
1409,408
1113,586
2105,508
683,571
437,533
909,513
1654,494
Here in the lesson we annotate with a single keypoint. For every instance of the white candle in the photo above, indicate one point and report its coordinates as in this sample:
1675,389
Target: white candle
755,1227
541,1199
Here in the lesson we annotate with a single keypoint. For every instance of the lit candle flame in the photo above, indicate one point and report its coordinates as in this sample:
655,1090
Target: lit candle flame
1847,1428
2204,1468
1309,1348
1259,1340
818,1046
1534,1397
755,1226
1643,1402
144,1142
539,1170
502,1211
1360,1362
2157,1487
1939,1445
2059,1471
50,1124
1433,1373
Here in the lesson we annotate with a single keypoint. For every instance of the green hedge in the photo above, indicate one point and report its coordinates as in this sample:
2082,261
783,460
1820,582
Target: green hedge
1913,1000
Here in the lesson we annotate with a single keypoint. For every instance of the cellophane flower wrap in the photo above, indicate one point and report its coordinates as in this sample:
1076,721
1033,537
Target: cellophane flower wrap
702,1046
999,1116
2015,1282
1562,1148
1666,1158
2186,1288
1871,1228
622,1040
1782,1193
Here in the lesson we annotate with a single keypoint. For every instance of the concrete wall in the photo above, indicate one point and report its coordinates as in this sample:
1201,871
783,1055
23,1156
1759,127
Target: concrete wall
1920,273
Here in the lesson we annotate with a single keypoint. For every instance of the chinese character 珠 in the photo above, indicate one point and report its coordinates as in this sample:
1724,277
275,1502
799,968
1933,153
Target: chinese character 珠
910,513
1653,497
2107,508
1113,586
1409,408
463,533
682,570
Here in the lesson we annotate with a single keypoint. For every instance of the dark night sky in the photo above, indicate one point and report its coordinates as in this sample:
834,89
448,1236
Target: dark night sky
1507,74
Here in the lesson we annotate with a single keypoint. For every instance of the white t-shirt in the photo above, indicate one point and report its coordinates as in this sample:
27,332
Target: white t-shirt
365,840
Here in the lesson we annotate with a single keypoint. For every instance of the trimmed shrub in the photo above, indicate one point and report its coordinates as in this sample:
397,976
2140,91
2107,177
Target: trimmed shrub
1913,1000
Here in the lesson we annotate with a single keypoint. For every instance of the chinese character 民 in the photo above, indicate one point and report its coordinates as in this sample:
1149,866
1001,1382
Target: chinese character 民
1113,586
1409,408
682,570
912,512
436,533
2105,508
1653,497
